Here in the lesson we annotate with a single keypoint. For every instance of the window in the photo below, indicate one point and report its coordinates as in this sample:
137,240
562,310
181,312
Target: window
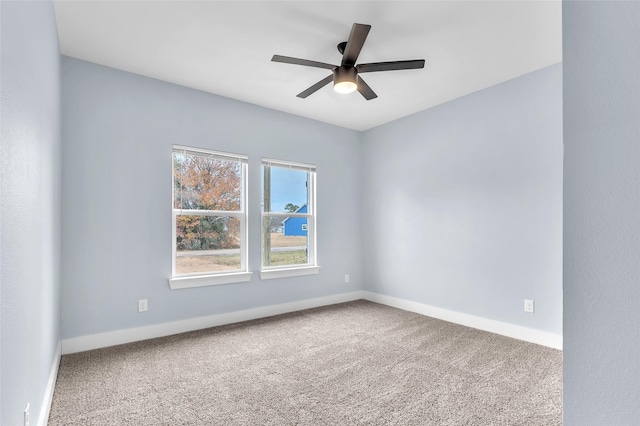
288,219
209,218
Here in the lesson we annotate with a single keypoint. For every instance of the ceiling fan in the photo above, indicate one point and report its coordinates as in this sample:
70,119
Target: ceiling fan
345,76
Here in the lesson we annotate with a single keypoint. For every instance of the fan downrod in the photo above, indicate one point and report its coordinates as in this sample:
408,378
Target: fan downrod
341,47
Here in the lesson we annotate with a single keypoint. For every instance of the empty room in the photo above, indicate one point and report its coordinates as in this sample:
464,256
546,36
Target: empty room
319,213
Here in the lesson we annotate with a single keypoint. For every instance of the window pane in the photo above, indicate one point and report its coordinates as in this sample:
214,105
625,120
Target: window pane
286,242
203,183
287,192
207,244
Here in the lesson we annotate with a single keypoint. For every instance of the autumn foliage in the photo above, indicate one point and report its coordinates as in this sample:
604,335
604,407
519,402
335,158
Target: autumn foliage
206,184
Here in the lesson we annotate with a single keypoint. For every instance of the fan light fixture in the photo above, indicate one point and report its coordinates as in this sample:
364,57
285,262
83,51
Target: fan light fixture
345,87
344,79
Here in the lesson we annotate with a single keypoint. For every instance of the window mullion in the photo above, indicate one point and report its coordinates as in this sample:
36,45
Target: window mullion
273,214
208,213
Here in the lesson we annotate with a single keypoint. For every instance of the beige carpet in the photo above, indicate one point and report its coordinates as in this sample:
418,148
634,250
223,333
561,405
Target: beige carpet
356,363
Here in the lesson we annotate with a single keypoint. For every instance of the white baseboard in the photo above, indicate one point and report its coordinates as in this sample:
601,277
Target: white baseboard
510,330
51,385
102,340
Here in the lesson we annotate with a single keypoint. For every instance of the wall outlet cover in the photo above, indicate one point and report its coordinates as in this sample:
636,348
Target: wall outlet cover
528,305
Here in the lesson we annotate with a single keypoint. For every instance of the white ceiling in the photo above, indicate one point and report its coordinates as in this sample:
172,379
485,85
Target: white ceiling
225,47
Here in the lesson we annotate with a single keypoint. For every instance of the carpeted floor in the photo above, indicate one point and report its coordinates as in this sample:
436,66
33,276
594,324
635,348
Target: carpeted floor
357,363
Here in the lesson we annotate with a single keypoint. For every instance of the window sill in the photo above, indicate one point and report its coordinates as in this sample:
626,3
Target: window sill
206,280
270,274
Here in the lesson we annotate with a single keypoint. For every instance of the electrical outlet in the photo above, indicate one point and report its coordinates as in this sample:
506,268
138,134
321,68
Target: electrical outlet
142,305
346,278
528,305
26,415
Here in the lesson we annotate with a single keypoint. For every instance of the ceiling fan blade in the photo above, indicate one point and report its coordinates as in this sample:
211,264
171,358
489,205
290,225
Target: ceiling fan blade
319,85
365,90
391,66
354,45
298,61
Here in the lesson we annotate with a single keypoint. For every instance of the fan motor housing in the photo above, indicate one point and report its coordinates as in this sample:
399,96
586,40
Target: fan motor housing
345,73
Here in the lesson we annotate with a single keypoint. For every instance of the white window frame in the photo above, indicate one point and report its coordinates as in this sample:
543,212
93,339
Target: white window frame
179,281
310,268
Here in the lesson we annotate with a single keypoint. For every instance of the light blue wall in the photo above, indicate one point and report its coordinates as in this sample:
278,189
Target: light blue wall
29,206
601,44
118,129
463,203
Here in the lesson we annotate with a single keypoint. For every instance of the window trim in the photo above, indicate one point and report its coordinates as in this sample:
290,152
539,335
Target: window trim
312,267
199,279
190,281
279,272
